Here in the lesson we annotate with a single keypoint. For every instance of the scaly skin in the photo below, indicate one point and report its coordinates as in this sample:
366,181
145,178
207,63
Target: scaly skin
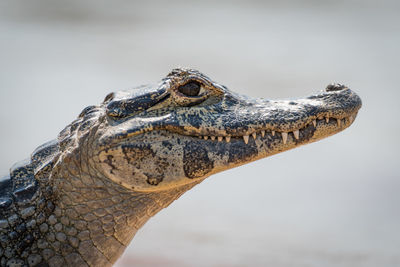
79,200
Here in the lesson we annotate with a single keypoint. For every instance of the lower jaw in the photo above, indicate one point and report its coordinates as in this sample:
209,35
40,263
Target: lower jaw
238,152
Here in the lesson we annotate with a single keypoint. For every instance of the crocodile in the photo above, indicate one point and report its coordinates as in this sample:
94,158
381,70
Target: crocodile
79,199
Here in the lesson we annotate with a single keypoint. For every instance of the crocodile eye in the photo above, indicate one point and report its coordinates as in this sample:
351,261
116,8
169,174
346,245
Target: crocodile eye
190,89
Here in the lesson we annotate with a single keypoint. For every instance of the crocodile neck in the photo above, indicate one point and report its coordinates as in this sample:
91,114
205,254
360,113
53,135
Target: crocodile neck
72,218
100,217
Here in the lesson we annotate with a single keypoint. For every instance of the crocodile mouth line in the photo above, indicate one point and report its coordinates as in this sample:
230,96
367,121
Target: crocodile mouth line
319,121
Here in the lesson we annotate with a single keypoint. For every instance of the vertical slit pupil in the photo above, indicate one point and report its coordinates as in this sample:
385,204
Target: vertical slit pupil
190,89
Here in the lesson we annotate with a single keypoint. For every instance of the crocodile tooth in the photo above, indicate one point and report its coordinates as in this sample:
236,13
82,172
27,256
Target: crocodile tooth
273,133
246,139
351,118
314,122
205,137
320,117
284,137
339,122
262,133
220,138
327,119
228,139
212,137
296,134
254,135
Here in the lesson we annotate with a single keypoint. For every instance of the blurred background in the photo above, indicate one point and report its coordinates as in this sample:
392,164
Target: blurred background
331,203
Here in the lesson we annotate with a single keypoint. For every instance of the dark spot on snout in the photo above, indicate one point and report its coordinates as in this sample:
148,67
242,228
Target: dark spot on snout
167,144
110,163
305,134
134,154
154,179
196,162
240,152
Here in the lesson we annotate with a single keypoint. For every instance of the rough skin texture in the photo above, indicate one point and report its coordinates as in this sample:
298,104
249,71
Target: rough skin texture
79,200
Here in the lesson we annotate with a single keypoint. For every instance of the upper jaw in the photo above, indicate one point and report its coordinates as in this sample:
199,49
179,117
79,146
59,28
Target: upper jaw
258,116
242,118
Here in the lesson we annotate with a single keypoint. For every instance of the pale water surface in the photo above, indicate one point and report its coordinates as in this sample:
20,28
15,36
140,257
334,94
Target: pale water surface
332,203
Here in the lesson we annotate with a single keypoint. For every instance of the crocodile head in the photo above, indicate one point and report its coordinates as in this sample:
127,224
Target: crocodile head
80,199
121,162
189,127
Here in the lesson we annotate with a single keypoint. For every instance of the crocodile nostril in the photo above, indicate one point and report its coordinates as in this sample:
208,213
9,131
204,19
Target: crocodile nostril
335,87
